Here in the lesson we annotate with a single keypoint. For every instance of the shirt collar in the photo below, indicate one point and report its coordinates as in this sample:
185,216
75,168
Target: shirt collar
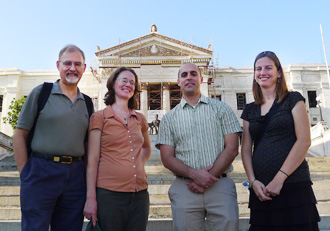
108,112
202,99
57,90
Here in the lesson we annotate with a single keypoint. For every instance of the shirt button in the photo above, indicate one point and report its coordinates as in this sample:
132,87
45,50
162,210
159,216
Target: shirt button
129,136
134,175
133,157
131,150
134,166
130,141
127,131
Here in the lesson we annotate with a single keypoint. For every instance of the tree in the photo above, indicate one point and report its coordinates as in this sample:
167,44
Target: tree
14,110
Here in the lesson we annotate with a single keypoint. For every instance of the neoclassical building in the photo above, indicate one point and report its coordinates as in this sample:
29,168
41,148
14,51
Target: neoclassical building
156,59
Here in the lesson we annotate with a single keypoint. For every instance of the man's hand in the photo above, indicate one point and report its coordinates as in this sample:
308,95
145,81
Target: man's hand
195,188
19,144
202,177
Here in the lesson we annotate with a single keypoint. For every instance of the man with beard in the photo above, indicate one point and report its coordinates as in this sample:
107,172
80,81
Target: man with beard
53,189
198,141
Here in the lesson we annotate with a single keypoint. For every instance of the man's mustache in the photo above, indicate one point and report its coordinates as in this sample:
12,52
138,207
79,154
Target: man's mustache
72,72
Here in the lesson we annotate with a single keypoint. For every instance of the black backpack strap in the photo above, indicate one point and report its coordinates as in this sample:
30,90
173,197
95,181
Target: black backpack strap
90,109
42,100
43,96
89,105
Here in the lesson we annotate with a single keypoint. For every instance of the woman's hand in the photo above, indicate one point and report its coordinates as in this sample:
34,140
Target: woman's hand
259,188
275,186
90,210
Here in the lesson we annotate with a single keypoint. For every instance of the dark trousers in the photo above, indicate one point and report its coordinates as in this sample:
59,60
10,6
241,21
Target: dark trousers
52,194
122,211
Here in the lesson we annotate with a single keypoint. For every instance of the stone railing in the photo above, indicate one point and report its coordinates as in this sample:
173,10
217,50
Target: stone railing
6,146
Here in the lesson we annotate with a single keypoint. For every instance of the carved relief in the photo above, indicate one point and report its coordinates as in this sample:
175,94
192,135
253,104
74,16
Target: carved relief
153,50
106,71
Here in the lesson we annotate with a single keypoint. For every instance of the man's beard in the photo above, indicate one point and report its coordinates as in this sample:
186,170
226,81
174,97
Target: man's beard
70,79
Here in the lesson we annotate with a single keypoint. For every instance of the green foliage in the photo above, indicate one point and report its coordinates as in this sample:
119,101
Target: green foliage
14,110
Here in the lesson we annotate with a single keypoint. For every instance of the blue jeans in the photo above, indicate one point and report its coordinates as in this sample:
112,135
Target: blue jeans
122,211
52,194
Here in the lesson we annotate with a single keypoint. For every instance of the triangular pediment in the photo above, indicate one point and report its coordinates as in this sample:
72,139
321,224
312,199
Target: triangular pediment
154,44
153,49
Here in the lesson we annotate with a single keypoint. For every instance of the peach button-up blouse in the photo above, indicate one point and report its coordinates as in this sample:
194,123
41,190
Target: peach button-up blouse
121,167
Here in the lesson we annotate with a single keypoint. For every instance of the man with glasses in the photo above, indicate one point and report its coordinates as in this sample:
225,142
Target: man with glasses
198,141
53,189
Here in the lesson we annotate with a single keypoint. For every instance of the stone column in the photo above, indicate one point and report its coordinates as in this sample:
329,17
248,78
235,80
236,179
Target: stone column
166,98
102,88
144,99
204,85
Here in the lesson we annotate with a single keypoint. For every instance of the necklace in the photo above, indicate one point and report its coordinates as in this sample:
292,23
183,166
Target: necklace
123,116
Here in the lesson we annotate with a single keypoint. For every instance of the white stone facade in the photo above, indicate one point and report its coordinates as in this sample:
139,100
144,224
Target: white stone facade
156,60
303,78
227,83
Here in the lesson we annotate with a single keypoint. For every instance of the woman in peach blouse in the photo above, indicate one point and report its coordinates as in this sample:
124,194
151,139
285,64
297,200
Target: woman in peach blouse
118,148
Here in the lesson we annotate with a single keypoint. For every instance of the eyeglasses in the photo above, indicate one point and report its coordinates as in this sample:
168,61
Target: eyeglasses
266,53
68,64
126,81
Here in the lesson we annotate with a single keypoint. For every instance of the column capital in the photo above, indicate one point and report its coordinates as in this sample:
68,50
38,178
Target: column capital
144,86
166,86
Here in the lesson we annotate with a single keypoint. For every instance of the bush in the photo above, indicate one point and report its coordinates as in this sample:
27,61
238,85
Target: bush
14,110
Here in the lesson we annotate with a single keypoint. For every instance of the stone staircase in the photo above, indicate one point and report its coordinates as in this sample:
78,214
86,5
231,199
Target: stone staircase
160,180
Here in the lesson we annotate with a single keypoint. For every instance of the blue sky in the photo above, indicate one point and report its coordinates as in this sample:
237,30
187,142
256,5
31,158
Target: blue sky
32,32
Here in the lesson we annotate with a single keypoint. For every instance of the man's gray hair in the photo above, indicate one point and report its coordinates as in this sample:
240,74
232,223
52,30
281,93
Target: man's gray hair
70,48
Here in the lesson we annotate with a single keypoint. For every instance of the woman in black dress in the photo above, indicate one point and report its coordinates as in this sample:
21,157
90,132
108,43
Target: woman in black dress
276,137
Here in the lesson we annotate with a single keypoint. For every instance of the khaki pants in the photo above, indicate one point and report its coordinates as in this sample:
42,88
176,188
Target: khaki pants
214,210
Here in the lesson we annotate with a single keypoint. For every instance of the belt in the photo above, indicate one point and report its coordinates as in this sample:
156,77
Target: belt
58,159
221,176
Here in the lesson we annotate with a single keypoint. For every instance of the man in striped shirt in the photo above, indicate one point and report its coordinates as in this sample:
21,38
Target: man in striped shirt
198,141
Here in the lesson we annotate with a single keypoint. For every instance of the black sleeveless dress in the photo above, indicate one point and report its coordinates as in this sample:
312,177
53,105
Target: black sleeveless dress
295,207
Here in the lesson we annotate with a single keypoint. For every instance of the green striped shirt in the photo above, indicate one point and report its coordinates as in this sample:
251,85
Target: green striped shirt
197,132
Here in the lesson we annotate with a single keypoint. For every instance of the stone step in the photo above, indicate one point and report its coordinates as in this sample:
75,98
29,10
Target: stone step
9,191
163,224
156,211
319,168
321,189
160,203
10,213
9,201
